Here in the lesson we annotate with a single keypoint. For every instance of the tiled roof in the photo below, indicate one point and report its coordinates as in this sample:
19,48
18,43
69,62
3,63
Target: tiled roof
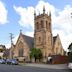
29,41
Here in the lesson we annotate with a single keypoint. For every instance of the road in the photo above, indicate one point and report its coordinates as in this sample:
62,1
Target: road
18,68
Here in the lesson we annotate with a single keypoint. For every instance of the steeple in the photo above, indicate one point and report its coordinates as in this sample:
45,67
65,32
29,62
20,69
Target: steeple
49,12
34,13
43,9
43,33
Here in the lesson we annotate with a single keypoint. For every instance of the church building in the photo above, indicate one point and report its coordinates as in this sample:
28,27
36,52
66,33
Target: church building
43,39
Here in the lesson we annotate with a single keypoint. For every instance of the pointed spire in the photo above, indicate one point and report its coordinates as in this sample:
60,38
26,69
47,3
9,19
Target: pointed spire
49,12
43,9
34,13
57,34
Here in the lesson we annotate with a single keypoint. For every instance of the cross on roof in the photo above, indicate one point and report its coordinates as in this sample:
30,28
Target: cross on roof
20,30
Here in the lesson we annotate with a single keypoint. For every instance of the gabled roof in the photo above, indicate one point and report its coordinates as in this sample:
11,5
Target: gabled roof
2,47
29,41
54,39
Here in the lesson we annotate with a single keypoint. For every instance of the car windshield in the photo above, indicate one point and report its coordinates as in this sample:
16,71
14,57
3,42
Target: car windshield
14,60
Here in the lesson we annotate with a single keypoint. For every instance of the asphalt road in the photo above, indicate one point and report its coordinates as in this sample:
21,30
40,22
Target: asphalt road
18,68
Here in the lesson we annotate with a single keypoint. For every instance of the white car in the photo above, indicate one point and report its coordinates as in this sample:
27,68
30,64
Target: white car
70,65
2,61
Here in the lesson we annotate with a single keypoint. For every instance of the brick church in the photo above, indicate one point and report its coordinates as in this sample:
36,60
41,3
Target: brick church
42,39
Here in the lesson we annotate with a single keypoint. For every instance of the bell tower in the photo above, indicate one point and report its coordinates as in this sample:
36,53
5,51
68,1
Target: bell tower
43,33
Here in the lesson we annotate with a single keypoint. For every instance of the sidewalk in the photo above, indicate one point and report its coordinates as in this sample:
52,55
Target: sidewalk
50,66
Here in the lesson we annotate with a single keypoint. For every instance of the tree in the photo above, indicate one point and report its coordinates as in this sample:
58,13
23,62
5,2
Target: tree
36,54
70,57
33,53
39,54
6,53
70,52
70,48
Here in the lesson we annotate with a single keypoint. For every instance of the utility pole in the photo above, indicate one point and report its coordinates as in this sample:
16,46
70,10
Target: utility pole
11,39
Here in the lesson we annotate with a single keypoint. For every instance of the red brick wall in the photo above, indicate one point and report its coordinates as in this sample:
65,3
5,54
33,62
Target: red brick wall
60,60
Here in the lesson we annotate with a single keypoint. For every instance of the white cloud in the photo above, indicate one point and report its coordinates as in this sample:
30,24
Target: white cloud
7,45
30,34
3,13
26,16
63,26
61,20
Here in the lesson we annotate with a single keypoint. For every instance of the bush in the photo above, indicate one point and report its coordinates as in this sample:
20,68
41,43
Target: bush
70,57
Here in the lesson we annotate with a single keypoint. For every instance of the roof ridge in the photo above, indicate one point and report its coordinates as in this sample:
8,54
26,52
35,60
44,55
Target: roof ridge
28,36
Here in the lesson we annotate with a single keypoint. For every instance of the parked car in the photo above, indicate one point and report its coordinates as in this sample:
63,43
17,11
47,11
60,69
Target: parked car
70,65
14,62
8,61
2,61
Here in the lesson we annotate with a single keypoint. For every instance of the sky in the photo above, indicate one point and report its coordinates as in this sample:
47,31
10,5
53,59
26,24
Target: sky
16,15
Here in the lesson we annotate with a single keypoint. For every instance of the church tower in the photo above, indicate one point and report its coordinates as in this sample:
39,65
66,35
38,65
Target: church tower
43,33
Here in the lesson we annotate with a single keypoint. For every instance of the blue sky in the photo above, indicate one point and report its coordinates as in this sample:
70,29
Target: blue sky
18,14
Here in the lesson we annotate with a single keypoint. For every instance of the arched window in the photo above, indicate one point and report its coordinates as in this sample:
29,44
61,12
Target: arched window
21,52
37,25
39,39
56,50
42,24
47,24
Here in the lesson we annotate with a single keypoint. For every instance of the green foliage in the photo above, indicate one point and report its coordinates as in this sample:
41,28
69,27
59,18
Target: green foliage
70,57
70,47
39,54
36,53
33,53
